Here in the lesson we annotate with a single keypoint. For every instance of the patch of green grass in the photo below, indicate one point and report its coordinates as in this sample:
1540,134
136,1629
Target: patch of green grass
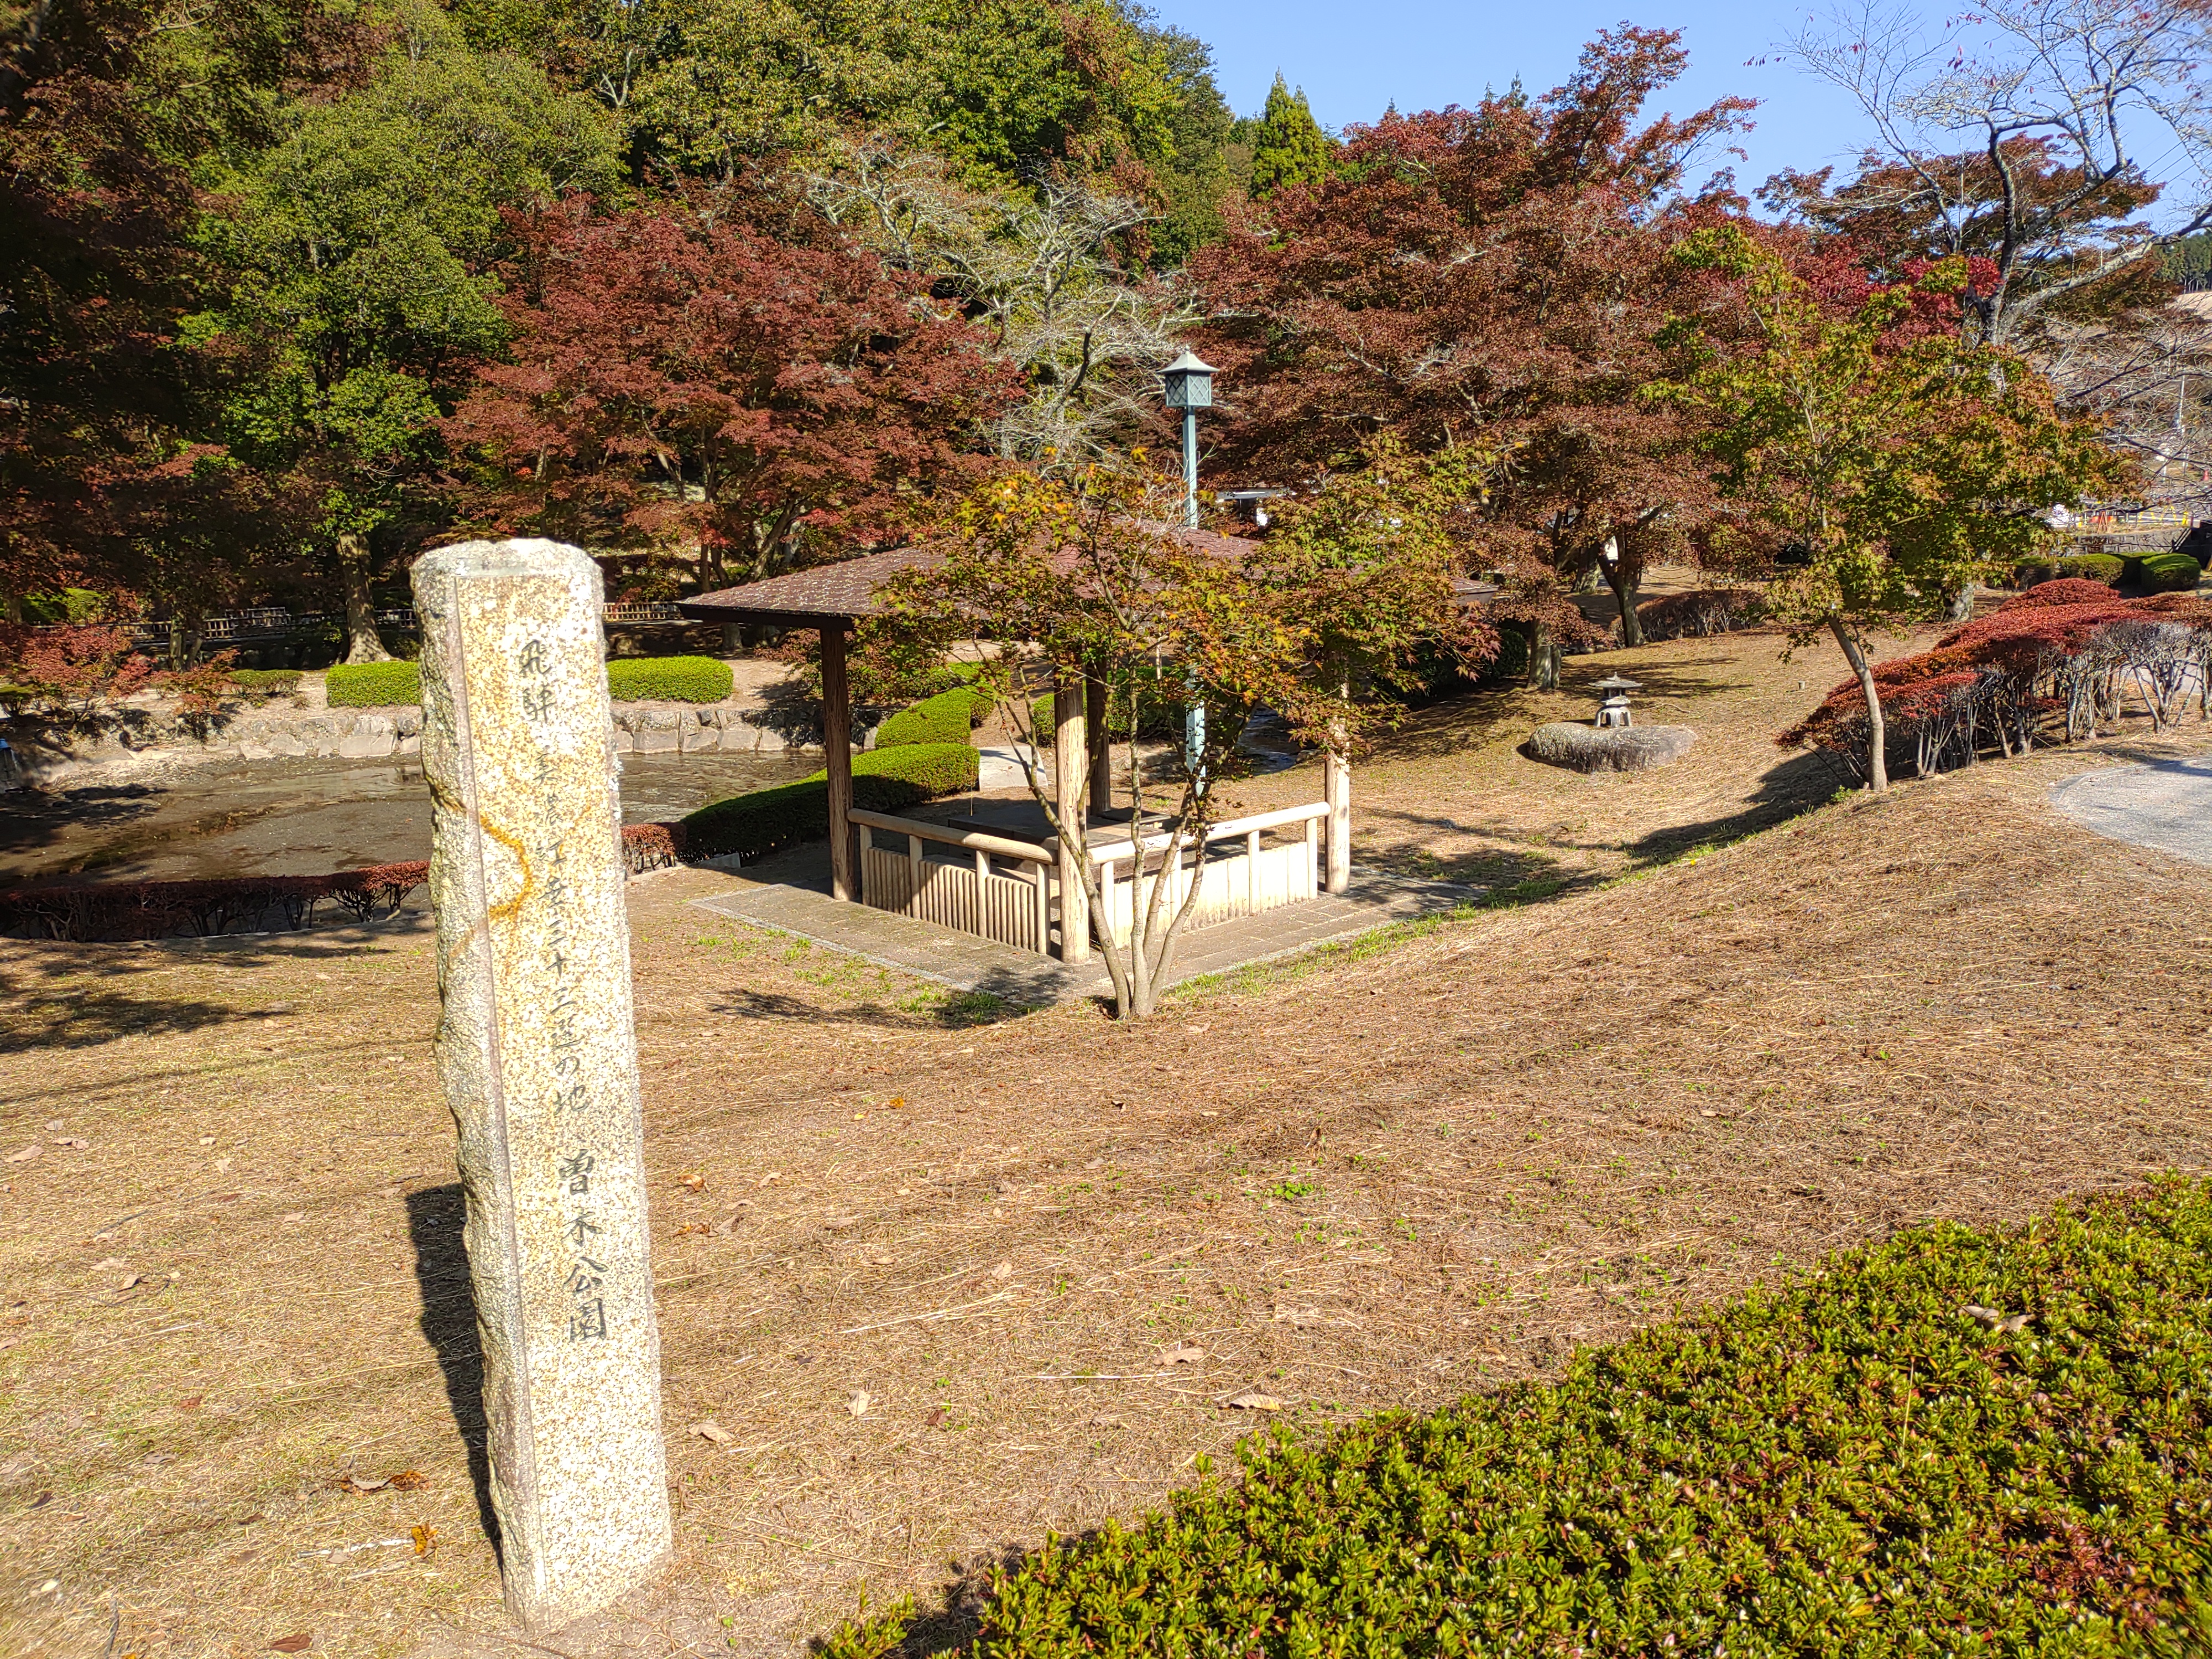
1864,1462
960,1008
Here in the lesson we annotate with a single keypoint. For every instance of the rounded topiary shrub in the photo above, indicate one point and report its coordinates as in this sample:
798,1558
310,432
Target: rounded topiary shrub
2094,566
668,680
372,684
2168,572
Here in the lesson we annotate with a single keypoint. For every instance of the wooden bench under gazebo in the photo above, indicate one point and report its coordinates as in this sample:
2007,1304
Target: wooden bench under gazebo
999,873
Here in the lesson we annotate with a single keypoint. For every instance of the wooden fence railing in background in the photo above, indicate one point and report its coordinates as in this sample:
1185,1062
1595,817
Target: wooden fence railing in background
1023,909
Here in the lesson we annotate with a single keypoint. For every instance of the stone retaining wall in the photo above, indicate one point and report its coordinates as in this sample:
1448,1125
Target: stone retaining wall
48,752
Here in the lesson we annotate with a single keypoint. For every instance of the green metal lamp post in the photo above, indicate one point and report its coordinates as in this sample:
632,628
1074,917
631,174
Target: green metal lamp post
1187,385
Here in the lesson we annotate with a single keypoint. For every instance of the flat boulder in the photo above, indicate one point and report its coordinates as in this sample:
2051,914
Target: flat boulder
1614,749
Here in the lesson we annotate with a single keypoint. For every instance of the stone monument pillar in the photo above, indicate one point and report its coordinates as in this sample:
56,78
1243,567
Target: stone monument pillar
539,1058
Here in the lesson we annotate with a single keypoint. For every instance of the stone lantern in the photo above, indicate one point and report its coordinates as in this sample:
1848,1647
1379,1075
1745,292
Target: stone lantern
1612,707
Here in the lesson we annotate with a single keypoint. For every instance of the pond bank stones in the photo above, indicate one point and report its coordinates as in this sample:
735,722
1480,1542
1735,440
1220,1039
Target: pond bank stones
1618,748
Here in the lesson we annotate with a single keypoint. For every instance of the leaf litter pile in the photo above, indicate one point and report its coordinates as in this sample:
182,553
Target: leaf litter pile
936,1280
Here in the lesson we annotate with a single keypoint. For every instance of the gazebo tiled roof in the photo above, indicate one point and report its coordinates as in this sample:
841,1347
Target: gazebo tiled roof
846,591
809,599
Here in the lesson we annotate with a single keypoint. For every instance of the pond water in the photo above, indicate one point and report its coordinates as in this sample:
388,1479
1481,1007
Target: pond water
301,817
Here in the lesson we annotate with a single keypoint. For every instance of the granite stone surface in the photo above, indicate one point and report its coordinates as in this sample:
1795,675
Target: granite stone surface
537,1055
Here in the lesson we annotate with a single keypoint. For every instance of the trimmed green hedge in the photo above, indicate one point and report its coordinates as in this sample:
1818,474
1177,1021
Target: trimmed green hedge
1855,1465
668,680
372,684
883,781
948,717
2104,568
2166,573
630,680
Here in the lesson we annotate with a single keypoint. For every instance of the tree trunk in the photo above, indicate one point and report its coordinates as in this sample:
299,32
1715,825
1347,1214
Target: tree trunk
1623,584
362,644
1543,658
1877,733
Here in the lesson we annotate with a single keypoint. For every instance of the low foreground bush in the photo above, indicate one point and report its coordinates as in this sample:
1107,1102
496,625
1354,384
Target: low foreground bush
668,680
372,684
767,821
1953,1443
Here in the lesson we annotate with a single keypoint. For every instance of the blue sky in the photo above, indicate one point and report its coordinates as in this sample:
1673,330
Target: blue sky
1354,59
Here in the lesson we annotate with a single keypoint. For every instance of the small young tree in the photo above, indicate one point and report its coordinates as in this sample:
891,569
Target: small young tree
1888,467
1081,578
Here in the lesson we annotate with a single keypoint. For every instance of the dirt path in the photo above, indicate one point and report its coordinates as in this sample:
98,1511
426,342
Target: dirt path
1381,1178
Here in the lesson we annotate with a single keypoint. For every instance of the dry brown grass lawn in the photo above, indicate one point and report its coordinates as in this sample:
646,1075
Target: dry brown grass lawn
1376,1180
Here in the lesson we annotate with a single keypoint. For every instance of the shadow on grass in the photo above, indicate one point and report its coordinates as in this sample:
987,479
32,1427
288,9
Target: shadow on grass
946,1008
435,1219
905,1630
1799,785
63,995
1468,720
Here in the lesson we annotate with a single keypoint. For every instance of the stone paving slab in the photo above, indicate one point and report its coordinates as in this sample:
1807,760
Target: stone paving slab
799,904
2165,805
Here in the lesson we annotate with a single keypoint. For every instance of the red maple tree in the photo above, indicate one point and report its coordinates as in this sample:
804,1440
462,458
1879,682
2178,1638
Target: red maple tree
726,371
1495,273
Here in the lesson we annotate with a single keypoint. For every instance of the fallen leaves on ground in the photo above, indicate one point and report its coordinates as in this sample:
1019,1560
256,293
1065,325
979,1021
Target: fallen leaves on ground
1182,1353
858,1404
712,1430
1253,1400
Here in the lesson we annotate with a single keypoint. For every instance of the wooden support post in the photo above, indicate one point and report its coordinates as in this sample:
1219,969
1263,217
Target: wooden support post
1070,762
914,870
1043,874
1102,750
1252,871
867,842
1336,777
837,747
1313,857
982,871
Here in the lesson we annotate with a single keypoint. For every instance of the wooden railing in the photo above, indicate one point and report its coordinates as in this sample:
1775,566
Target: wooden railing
1269,880
983,902
980,902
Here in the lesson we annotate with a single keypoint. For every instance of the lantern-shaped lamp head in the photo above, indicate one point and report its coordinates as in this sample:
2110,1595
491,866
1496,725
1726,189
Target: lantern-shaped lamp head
1189,383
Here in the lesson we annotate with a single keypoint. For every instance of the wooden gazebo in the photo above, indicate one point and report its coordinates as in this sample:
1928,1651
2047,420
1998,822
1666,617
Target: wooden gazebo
1019,908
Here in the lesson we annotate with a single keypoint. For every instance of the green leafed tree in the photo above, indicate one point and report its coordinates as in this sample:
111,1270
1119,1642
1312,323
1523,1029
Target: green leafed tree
1887,461
1003,89
1288,145
363,241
